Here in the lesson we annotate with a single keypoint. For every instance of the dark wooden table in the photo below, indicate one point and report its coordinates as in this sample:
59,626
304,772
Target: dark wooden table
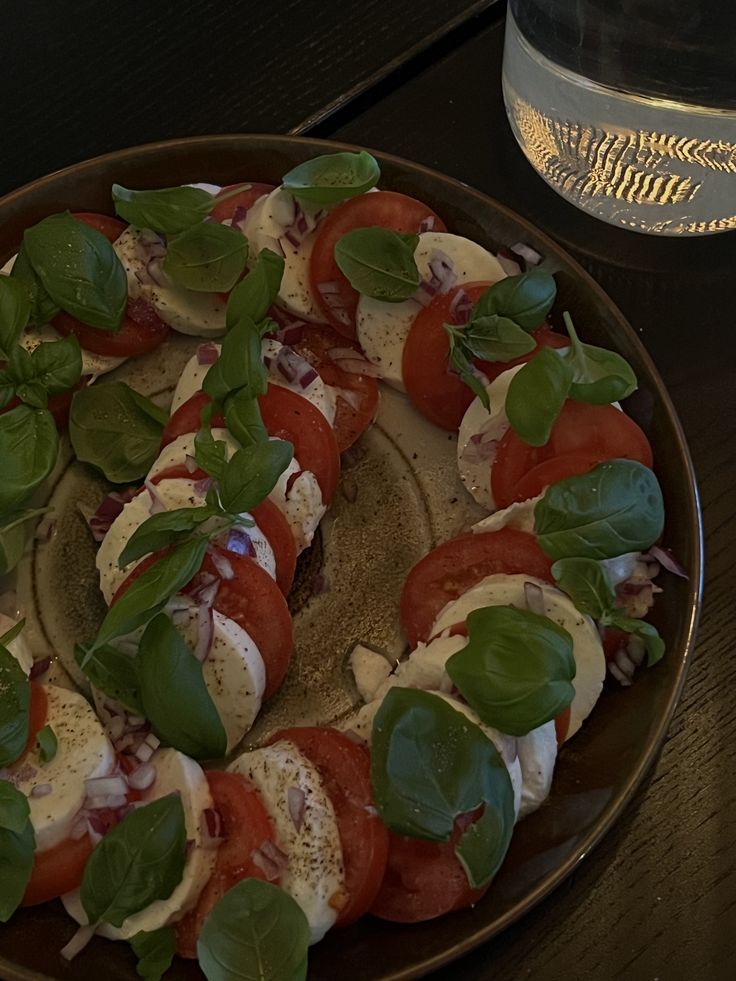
656,901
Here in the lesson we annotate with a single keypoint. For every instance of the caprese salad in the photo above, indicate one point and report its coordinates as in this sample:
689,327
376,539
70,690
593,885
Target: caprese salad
134,804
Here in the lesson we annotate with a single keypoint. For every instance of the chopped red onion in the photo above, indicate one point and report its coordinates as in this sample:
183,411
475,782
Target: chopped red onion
136,721
222,564
479,450
292,334
190,463
272,870
115,728
96,826
329,288
509,748
371,810
667,560
213,822
205,632
348,359
292,238
205,594
425,293
143,777
207,353
240,542
320,584
460,308
41,790
296,801
100,521
443,270
271,850
527,253
79,828
104,801
426,224
294,368
147,748
273,244
40,667
106,786
78,942
534,596
239,216
510,266
156,274
157,503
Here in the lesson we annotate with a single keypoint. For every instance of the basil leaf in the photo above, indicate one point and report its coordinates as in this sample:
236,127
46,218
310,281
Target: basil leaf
379,262
47,744
333,177
29,445
7,388
137,862
429,765
210,454
150,592
240,365
516,670
253,296
15,309
17,847
648,632
57,365
116,429
207,257
79,269
15,701
525,299
15,631
171,210
43,308
161,530
174,694
13,538
586,583
34,394
243,418
615,508
155,952
536,395
256,932
113,673
493,338
460,362
598,376
252,473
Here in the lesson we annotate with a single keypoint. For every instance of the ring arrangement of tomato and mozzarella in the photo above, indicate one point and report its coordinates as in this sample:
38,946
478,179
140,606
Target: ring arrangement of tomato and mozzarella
300,811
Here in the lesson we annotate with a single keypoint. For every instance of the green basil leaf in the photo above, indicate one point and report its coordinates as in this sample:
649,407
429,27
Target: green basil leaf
648,632
598,376
252,473
494,338
137,862
171,210
161,530
615,508
586,583
253,296
240,365
155,952
484,845
29,445
34,394
43,308
210,454
243,418
379,262
429,765
15,701
13,538
15,631
150,592
256,932
7,388
525,299
113,673
47,744
116,429
516,670
333,177
17,847
15,309
536,395
57,365
79,269
464,367
208,257
174,694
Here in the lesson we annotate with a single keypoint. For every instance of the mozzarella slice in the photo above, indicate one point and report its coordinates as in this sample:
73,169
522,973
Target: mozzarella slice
537,755
300,501
314,876
56,790
213,189
187,311
384,327
503,590
519,516
370,670
19,647
175,774
92,364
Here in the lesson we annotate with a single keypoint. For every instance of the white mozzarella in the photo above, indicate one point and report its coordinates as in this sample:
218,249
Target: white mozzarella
314,876
92,364
383,327
301,504
212,189
181,448
474,463
519,516
56,790
175,774
19,647
233,671
187,311
537,755
503,590
370,670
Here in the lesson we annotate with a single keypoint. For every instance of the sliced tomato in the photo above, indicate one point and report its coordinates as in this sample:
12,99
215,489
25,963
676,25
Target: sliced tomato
187,418
345,770
599,432
246,825
142,330
245,199
562,724
356,408
553,470
452,568
613,641
254,601
111,228
382,209
424,879
57,871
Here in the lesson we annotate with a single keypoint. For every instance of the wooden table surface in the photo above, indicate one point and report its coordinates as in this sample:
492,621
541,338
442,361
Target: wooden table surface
657,899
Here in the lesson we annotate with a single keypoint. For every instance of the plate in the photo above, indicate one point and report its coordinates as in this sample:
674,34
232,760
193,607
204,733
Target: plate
403,505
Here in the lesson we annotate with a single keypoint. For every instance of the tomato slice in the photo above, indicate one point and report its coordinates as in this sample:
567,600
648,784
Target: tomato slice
142,330
246,825
111,228
456,566
381,209
424,879
553,470
345,770
355,410
598,432
186,419
57,870
245,199
254,601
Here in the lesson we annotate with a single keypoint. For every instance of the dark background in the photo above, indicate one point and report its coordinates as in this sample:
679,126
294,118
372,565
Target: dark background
656,901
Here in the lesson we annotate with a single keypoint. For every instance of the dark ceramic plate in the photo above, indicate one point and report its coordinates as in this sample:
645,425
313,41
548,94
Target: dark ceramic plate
599,770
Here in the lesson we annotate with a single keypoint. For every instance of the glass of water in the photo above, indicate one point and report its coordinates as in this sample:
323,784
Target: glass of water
627,108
